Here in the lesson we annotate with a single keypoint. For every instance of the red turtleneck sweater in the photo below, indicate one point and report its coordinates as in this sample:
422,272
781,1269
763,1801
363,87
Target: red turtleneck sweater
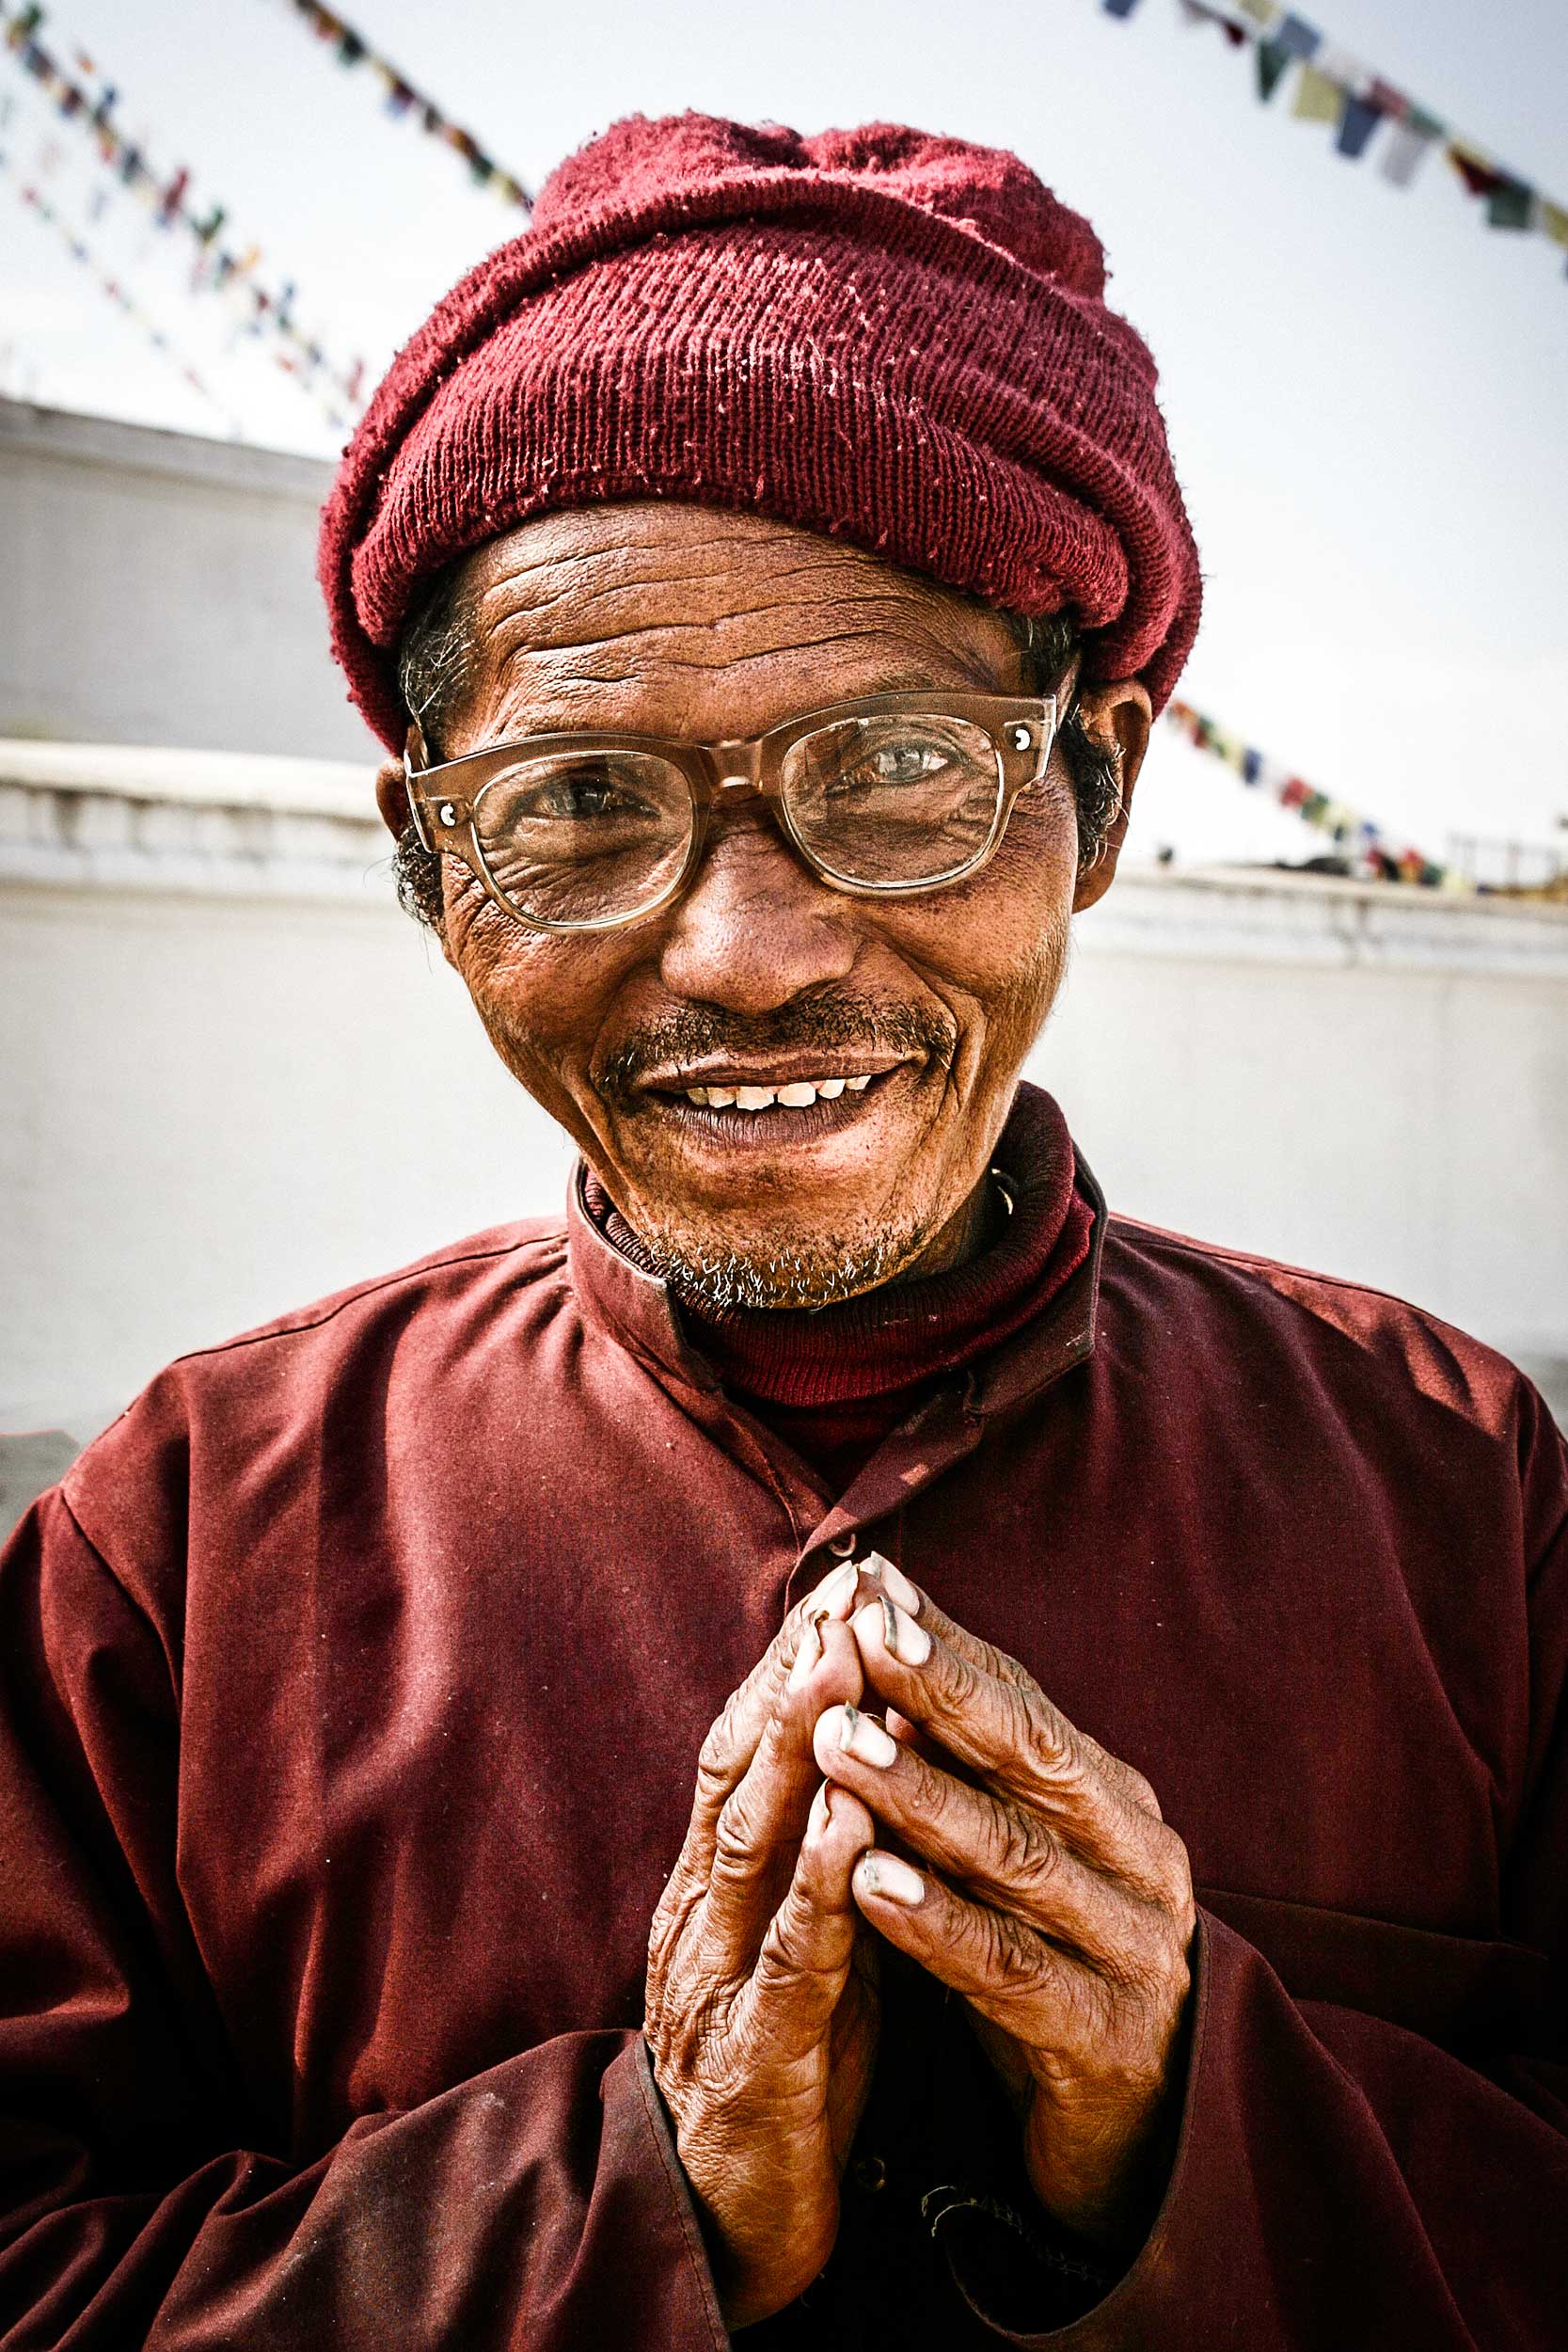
832,1381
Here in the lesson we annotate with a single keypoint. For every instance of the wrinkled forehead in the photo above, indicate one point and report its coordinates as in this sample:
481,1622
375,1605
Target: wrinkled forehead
673,617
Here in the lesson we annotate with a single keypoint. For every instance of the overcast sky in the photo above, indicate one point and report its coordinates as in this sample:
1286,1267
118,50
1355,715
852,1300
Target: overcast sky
1365,387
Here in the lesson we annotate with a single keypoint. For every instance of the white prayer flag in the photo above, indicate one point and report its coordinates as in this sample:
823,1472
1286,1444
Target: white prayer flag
1404,151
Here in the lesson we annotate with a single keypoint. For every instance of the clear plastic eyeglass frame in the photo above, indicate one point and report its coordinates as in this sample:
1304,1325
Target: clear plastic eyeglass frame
443,800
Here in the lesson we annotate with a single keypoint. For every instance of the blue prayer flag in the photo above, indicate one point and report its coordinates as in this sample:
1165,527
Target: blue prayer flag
1252,766
1357,125
1301,39
1119,7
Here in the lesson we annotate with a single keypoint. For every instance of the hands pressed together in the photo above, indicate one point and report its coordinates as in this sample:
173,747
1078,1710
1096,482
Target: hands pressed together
883,1776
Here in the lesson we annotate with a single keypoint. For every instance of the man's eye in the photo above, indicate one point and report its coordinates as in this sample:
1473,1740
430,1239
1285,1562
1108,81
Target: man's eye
895,764
581,796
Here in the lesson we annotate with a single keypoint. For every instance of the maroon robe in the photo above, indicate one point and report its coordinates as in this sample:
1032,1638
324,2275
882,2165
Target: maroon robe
354,1682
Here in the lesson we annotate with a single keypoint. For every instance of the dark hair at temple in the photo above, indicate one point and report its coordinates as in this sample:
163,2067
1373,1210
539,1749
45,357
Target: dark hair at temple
432,664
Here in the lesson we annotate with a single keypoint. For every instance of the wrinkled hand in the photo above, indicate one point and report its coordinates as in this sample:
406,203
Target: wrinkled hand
760,2025
1058,1903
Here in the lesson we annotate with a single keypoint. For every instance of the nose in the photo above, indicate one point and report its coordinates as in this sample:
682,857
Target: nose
756,927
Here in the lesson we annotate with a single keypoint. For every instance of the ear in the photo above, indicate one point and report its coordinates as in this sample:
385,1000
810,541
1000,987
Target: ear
391,793
1118,717
391,798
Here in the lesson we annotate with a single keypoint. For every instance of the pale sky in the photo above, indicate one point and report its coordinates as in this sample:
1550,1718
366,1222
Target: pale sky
1365,387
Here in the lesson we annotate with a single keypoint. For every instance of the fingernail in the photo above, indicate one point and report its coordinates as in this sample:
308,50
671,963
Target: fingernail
837,1589
900,1636
806,1656
886,1874
862,1736
892,1581
820,1814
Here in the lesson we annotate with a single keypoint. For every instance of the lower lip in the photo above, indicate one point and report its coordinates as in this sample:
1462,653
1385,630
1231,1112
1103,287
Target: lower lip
778,1126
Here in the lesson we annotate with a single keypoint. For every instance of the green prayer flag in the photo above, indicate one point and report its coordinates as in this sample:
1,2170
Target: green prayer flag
1509,205
1274,61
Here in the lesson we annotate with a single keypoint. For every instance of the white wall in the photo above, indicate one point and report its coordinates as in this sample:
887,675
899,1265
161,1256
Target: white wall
236,1077
1403,1127
159,588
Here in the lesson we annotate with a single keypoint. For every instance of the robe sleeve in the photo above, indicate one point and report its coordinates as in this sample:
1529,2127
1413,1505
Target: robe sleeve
540,2205
1345,2180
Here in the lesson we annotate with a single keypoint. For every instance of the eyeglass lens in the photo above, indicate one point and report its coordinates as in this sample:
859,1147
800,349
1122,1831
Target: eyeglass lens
590,837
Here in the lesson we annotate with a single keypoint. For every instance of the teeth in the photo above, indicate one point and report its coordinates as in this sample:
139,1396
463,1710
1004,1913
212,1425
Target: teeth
798,1095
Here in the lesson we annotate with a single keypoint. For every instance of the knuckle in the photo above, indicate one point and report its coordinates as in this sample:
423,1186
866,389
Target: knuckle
960,1681
1013,1958
1139,1793
1046,1735
1173,1877
716,1755
786,1955
733,1845
1024,1856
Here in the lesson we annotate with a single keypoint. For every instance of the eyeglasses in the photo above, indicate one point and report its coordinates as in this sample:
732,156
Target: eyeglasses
884,797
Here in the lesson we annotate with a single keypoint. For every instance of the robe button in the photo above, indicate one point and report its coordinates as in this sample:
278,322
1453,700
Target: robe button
842,1545
870,2174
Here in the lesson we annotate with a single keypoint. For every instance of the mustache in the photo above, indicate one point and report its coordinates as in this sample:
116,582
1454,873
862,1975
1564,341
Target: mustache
826,1017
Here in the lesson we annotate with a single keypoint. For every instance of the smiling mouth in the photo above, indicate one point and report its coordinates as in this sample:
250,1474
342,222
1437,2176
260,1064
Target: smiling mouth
786,1109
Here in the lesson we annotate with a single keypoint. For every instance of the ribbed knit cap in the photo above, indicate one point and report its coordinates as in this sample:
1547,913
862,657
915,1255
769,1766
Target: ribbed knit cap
898,338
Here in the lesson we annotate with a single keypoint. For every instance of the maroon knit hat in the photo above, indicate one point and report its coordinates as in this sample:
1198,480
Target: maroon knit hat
899,339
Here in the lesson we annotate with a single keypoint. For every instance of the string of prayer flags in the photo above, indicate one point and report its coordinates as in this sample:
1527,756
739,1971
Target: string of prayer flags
1360,840
110,285
165,196
1367,113
404,102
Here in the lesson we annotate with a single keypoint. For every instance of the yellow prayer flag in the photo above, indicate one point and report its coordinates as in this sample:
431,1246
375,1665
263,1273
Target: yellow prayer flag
1264,12
1318,99
1554,220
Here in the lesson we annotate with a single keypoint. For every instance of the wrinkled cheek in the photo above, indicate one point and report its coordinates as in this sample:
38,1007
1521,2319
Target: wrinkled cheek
523,990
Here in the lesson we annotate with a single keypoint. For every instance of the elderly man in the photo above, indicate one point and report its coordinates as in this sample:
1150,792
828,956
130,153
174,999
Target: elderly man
764,574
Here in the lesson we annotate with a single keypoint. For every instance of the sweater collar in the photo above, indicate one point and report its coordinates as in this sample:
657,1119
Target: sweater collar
1034,1153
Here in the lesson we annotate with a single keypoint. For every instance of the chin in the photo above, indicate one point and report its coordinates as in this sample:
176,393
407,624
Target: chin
797,1269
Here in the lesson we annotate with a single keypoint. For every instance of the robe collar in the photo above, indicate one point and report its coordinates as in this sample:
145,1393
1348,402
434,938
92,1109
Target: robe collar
643,1314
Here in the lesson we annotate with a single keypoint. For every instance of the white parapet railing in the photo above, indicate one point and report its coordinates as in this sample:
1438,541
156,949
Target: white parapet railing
128,818
125,817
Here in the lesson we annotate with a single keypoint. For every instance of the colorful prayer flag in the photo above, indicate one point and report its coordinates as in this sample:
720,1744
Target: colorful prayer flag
1273,63
1317,99
1315,808
1337,87
1357,125
1404,151
1298,38
1481,176
1509,205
